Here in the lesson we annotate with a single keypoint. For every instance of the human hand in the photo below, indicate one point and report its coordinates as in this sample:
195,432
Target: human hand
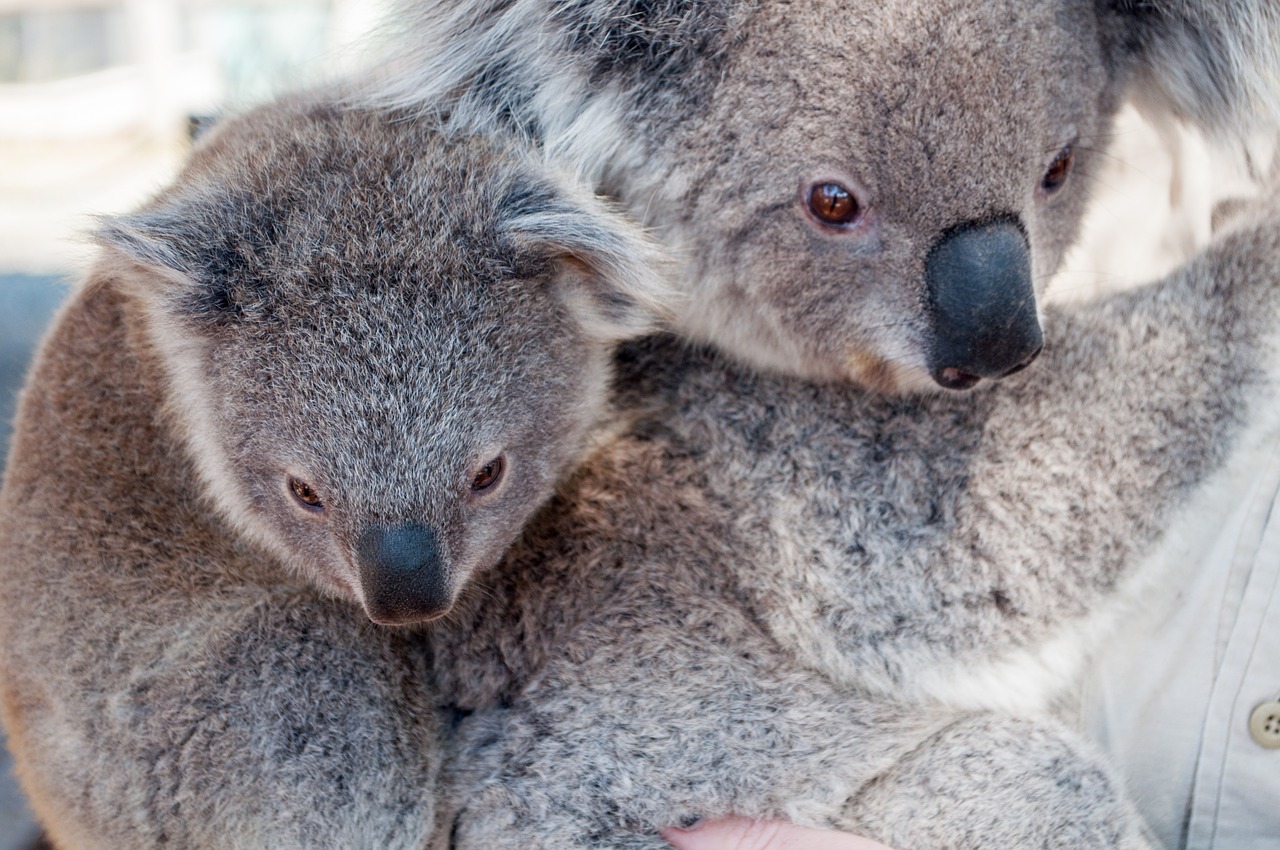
735,833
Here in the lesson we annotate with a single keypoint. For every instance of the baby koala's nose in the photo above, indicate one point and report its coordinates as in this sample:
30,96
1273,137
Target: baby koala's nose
402,575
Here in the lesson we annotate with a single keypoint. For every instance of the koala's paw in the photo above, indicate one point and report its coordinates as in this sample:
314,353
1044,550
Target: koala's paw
497,817
991,781
501,817
489,818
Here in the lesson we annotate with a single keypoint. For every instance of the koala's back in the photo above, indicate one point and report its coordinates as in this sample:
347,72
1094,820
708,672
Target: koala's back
95,470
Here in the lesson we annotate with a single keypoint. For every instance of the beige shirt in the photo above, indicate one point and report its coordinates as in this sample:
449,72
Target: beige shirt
1173,697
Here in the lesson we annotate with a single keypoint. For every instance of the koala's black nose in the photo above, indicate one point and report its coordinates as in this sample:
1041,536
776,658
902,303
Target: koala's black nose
402,574
982,304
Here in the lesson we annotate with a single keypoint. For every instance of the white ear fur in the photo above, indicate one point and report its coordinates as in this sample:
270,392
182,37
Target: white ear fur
610,271
156,250
446,53
148,253
1213,63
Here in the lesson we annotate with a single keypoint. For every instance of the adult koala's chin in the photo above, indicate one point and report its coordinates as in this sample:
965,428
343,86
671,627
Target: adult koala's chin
865,190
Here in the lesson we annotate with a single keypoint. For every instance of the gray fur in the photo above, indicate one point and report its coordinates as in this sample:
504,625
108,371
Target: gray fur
337,295
708,118
771,597
1213,64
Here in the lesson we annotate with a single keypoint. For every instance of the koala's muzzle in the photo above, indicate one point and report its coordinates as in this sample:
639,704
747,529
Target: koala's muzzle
982,304
402,574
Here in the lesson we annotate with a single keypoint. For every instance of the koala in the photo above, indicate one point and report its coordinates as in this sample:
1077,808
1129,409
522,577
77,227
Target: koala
324,378
868,191
805,600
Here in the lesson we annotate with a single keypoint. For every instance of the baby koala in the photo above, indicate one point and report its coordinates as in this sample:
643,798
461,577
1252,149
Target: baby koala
382,349
343,358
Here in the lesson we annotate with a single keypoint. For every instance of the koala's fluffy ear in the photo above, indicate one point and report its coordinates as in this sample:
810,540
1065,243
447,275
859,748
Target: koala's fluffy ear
609,271
1214,63
186,256
156,239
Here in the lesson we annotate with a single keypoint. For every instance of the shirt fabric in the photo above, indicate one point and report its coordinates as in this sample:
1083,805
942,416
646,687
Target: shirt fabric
1171,699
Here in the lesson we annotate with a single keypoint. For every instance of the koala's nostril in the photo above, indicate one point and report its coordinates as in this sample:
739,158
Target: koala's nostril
1025,363
954,379
402,574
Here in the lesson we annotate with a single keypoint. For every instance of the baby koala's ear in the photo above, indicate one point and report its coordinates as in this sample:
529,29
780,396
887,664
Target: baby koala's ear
190,257
150,256
157,239
1213,63
610,272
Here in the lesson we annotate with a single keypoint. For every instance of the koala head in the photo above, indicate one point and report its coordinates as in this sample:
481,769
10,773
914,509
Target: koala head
879,191
873,190
383,346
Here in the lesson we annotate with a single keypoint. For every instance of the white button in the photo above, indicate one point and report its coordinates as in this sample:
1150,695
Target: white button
1264,725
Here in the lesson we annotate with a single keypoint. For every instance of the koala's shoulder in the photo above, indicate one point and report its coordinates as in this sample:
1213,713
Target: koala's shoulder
87,376
96,476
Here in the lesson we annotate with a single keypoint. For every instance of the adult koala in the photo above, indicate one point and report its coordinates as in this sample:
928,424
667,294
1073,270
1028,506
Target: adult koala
779,598
869,192
862,190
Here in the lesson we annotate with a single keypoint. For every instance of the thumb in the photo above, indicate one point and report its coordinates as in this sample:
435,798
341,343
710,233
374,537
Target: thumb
738,833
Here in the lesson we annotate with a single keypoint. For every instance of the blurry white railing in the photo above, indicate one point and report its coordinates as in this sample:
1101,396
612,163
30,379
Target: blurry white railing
95,97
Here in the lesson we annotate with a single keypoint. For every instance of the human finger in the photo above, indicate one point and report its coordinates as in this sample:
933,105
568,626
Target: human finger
739,833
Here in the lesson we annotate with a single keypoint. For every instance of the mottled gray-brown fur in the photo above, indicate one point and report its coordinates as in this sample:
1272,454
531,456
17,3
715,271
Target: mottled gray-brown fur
693,651
710,118
335,295
798,600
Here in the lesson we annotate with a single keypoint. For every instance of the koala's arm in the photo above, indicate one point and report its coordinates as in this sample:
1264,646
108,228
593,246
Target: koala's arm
604,754
158,687
1146,390
645,734
641,726
1080,462
1150,387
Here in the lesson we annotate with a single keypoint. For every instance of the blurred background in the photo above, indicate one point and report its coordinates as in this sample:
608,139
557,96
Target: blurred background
97,98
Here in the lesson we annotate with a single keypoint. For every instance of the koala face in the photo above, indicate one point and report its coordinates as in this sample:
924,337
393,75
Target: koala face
872,190
395,434
385,347
851,217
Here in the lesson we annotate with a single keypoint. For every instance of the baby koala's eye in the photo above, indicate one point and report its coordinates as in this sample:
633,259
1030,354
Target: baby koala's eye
1056,175
306,495
831,203
488,475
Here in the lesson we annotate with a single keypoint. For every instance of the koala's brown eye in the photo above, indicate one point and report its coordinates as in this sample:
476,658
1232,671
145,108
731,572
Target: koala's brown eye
489,475
833,204
306,494
1058,171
